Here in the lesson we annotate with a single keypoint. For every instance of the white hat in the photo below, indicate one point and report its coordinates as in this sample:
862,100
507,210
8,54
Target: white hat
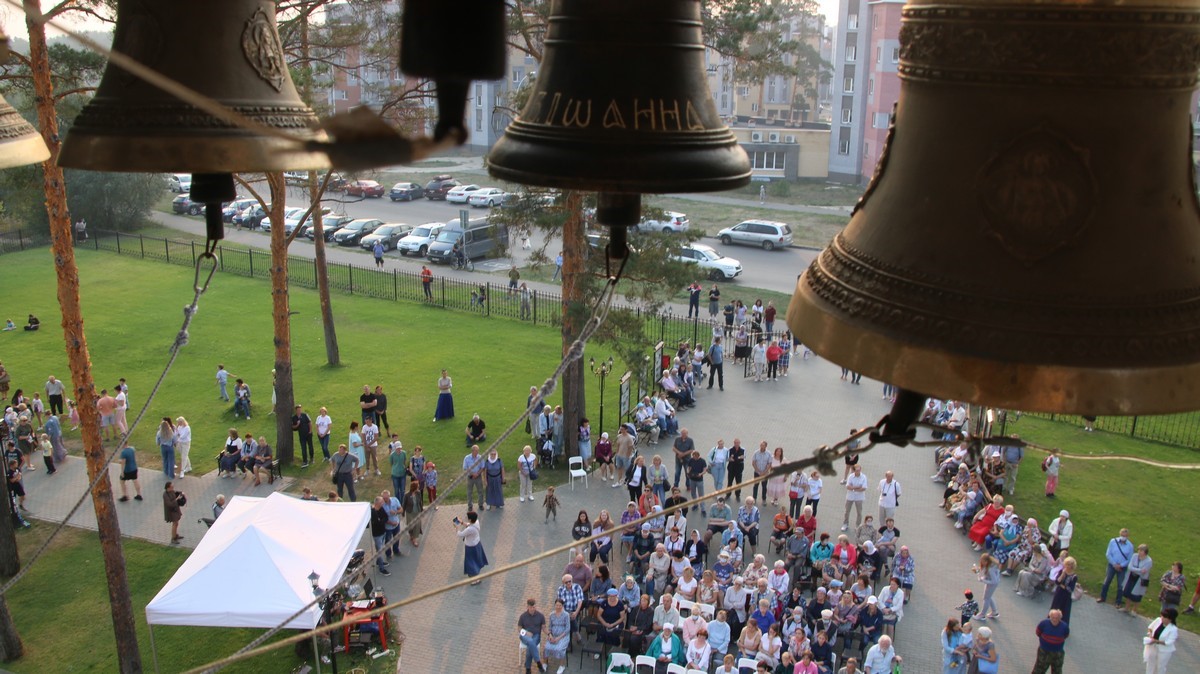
827,614
869,546
872,600
1063,513
604,435
669,626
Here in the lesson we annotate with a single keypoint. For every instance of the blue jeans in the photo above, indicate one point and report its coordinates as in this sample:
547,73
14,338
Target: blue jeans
1108,578
660,490
380,544
717,470
345,481
224,393
324,446
306,448
678,471
696,490
531,642
168,457
241,406
391,538
398,486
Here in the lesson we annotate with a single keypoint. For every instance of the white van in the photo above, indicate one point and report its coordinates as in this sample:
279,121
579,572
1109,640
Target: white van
180,183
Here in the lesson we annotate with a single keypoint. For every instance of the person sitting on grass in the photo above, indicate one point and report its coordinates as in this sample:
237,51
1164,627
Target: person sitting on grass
33,323
475,431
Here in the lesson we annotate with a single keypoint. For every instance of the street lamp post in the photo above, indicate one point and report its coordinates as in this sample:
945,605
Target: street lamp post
602,372
315,579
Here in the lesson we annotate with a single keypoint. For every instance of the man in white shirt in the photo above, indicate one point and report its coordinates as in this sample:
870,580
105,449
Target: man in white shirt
646,421
666,415
889,496
760,461
958,418
666,613
856,493
881,657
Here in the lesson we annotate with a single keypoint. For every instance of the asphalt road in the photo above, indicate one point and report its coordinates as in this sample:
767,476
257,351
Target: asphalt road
771,270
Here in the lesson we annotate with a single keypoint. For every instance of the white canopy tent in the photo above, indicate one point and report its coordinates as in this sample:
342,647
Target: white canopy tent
275,541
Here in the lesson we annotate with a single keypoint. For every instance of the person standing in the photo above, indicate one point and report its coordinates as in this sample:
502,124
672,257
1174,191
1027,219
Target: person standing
1064,588
889,496
622,454
531,624
344,466
413,506
381,405
367,403
856,493
558,261
222,382
716,359
445,401
54,395
165,439
398,460
1012,455
714,301
718,459
1137,580
53,430
379,520
1061,531
694,291
682,449
737,465
324,426
1119,554
302,424
474,557
370,437
495,479
760,462
1159,642
183,445
427,282
377,250
173,503
106,405
1051,465
1052,636
989,574
129,473
473,465
526,466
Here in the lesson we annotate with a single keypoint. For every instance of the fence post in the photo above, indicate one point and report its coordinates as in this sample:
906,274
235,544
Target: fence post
443,279
21,239
167,248
350,276
251,258
695,327
1133,427
96,241
314,268
533,314
221,256
395,285
487,299
118,242
142,245
193,253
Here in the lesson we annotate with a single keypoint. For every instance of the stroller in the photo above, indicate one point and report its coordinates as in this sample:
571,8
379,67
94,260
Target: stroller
546,454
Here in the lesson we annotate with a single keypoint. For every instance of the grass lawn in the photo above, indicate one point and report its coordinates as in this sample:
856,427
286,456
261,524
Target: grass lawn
51,614
814,231
132,312
808,192
1105,495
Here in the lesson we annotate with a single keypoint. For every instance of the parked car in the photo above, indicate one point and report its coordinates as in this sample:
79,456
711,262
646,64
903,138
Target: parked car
337,182
252,217
406,192
295,177
669,222
486,197
417,241
364,188
765,233
294,212
184,204
480,239
352,233
460,194
437,188
330,224
235,207
389,234
180,183
717,266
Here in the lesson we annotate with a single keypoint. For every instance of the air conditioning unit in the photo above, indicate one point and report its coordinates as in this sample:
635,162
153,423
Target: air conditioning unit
774,138
755,136
789,139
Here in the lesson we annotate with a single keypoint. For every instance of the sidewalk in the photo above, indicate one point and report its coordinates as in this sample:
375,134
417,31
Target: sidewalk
811,407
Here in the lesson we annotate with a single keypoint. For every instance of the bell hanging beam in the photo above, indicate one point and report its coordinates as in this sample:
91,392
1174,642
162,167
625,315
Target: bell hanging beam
621,106
1031,237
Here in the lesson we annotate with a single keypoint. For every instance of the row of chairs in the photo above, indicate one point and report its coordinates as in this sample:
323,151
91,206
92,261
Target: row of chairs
644,664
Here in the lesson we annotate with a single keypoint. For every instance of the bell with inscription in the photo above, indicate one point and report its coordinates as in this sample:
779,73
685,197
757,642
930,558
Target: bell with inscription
228,51
621,106
20,143
1031,237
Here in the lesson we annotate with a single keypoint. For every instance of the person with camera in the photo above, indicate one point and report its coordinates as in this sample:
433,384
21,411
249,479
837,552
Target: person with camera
173,502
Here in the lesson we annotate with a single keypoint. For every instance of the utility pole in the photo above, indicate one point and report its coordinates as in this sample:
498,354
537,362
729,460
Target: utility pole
77,352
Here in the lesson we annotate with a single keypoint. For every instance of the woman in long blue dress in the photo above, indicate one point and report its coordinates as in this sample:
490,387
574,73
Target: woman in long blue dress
494,479
558,626
474,558
445,401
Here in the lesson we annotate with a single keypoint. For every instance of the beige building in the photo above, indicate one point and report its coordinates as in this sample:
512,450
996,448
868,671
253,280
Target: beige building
785,153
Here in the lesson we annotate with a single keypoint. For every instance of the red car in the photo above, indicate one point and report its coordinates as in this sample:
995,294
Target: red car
364,188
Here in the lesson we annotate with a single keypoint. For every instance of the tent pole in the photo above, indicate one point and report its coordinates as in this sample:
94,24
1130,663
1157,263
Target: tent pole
153,648
316,654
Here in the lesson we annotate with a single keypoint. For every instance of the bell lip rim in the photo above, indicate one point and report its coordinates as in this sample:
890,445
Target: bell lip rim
584,184
1045,388
194,155
29,148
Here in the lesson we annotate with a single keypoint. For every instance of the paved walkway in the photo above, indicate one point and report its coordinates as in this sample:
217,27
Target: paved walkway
809,408
52,496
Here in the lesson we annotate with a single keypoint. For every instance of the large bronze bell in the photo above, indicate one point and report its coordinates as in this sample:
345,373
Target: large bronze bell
20,143
229,51
1031,238
621,105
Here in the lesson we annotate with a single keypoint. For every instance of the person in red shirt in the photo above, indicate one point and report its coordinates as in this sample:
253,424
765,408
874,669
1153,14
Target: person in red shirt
773,354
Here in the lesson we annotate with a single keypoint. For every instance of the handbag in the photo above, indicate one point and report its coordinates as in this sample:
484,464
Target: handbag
1077,593
181,499
533,474
1170,596
987,667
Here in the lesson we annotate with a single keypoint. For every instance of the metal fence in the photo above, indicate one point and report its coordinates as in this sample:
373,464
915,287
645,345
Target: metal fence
487,298
1171,429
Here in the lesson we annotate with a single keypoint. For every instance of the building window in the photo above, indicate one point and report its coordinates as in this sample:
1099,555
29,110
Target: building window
754,107
852,22
895,54
847,115
768,161
848,85
724,101
743,91
479,120
866,149
340,94
871,88
479,95
844,147
878,54
851,53
516,77
874,20
771,89
881,120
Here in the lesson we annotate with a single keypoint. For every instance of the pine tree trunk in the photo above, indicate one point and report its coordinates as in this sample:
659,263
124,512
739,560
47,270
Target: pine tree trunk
281,317
10,556
10,641
574,400
77,354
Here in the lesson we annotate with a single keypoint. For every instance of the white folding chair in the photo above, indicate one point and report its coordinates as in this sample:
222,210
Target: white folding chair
747,666
644,661
619,660
676,669
684,605
707,610
521,652
575,468
696,671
